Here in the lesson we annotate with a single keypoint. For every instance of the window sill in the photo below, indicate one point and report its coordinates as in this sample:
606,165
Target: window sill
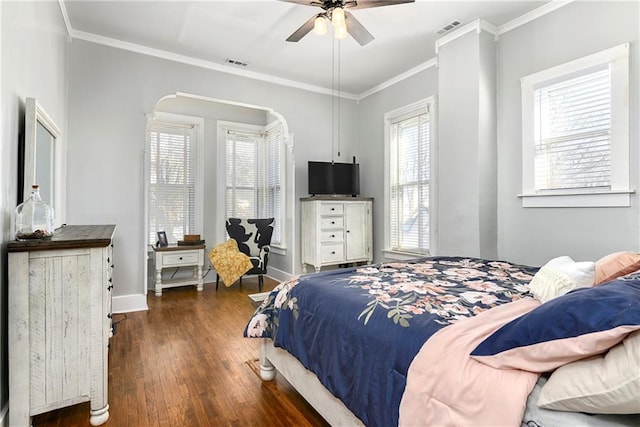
278,250
395,255
577,199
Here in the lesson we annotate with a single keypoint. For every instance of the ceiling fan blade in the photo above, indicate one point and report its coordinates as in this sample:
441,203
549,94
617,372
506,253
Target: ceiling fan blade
357,30
364,4
303,30
304,2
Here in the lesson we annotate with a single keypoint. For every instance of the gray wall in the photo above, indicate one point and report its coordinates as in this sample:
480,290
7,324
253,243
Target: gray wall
110,92
534,235
33,63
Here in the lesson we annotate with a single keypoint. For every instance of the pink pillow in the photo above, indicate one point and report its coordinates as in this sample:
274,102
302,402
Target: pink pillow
616,265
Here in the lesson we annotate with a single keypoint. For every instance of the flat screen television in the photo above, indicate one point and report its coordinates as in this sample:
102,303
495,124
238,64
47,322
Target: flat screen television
334,178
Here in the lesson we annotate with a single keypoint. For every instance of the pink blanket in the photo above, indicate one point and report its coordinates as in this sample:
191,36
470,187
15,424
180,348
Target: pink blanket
445,387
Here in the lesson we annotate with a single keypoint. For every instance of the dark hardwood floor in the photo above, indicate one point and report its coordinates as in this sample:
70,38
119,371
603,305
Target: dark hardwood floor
185,363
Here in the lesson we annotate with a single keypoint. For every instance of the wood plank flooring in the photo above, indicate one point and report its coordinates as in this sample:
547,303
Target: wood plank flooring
185,363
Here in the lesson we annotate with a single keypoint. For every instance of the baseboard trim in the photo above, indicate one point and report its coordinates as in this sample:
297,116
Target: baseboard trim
4,422
129,303
278,275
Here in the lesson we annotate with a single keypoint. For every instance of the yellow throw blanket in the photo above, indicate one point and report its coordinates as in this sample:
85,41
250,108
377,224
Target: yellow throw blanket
229,262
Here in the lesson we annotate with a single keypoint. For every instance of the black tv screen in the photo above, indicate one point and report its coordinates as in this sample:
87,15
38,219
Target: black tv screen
334,178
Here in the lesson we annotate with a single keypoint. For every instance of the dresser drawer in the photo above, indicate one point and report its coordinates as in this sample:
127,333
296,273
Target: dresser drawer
331,222
331,236
332,253
182,258
332,209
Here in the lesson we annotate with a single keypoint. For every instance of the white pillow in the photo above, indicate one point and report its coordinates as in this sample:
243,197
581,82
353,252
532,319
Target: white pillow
561,275
605,384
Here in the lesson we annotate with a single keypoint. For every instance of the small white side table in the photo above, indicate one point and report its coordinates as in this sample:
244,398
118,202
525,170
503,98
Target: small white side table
179,256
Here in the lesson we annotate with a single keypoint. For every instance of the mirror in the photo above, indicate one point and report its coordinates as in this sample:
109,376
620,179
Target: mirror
43,158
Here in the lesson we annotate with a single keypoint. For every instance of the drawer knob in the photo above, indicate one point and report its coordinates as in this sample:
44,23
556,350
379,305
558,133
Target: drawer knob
333,235
333,209
180,258
348,231
333,222
333,252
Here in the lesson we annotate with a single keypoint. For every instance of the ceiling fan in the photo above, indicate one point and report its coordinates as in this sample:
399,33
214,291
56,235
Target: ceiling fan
343,22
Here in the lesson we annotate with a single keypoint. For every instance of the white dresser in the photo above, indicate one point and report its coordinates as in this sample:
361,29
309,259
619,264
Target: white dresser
336,230
60,322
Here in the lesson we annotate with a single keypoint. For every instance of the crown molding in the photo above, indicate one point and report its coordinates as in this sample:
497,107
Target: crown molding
534,14
65,17
433,62
479,25
158,53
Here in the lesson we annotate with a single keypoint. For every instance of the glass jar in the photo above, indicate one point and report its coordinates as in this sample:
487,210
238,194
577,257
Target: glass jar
34,218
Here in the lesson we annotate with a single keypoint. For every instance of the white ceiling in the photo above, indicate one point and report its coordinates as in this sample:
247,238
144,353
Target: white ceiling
254,32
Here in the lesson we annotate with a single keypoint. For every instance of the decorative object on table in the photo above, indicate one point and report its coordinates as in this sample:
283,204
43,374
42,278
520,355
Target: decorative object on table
34,217
162,239
191,240
229,262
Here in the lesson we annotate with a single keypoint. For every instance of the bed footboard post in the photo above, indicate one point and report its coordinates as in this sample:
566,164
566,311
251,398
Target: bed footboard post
267,370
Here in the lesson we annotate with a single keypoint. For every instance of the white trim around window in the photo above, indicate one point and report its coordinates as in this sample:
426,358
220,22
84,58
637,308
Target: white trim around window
426,106
617,193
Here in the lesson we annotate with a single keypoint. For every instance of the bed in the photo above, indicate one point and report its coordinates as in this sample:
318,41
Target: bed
386,344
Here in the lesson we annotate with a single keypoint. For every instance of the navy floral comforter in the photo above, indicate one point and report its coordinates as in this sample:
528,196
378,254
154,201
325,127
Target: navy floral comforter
358,329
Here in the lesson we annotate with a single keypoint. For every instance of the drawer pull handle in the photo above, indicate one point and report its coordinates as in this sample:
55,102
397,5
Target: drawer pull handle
333,222
110,279
333,235
333,252
109,287
333,209
109,315
180,258
348,231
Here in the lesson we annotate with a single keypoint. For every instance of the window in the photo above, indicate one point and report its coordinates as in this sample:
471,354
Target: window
174,184
576,132
253,178
408,144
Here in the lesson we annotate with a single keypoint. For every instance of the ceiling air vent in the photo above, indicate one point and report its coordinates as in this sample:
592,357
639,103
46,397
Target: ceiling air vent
235,62
448,27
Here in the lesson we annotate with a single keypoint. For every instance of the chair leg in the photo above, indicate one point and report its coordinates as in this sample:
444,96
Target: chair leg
217,280
240,283
260,281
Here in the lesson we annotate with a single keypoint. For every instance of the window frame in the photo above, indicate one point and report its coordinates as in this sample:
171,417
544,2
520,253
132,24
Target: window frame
619,192
223,127
428,106
168,120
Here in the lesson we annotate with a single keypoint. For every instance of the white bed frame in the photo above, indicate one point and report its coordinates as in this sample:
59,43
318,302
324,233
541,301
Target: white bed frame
332,409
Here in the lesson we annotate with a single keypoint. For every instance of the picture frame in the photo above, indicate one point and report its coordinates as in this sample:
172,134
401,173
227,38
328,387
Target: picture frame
162,239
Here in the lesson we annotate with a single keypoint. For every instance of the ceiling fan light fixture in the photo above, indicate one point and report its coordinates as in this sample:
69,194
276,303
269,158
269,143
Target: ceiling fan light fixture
337,17
320,26
340,32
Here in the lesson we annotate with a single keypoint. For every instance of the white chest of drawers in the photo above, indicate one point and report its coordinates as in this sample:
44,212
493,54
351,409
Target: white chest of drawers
60,322
336,230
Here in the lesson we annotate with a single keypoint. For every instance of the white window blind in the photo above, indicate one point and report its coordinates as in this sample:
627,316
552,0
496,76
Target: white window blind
573,133
254,176
172,181
409,183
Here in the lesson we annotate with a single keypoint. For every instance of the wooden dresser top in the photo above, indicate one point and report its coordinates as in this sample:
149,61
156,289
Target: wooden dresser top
68,237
